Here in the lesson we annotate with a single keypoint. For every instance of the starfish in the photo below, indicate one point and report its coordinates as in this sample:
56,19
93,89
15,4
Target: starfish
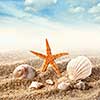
49,58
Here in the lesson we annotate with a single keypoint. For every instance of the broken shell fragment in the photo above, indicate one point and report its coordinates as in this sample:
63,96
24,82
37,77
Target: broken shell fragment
80,85
50,82
24,71
36,85
63,86
79,68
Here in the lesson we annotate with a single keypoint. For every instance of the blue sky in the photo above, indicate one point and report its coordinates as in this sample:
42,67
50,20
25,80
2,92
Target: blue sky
63,11
31,21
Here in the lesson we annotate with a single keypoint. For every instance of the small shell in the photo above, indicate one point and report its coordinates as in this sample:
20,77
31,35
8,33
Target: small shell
24,71
80,85
63,86
50,82
79,68
36,85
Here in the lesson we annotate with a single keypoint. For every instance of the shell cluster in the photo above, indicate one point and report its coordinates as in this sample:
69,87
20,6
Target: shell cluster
24,71
77,69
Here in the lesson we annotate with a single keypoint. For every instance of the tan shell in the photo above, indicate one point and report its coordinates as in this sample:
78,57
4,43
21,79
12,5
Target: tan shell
24,71
79,68
49,81
36,85
63,86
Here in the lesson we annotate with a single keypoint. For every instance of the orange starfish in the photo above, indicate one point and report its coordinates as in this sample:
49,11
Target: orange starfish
49,58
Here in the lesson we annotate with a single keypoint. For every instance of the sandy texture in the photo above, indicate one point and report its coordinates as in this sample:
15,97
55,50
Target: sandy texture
14,89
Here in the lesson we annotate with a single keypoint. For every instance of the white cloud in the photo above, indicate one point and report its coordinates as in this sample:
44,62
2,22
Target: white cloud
31,31
12,10
95,12
95,9
31,34
39,4
77,10
81,1
28,2
29,8
97,19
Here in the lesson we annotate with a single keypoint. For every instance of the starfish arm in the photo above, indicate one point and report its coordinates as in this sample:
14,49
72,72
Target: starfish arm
48,50
55,67
59,55
39,54
44,66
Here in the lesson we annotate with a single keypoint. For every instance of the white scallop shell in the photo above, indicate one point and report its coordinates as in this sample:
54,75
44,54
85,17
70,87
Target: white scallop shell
63,86
35,85
29,73
79,68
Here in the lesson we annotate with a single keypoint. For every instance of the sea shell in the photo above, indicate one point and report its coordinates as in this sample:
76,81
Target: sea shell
80,85
63,79
50,82
24,71
36,85
79,68
63,86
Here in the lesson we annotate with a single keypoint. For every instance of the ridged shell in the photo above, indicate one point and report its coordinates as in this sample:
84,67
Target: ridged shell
24,71
79,68
35,85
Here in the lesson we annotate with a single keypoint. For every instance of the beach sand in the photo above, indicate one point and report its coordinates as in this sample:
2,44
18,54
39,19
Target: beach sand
14,89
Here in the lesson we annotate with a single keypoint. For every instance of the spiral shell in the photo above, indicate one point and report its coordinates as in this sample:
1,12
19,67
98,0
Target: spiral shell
79,68
24,71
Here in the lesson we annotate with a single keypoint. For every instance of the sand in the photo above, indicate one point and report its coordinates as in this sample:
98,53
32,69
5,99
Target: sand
14,89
